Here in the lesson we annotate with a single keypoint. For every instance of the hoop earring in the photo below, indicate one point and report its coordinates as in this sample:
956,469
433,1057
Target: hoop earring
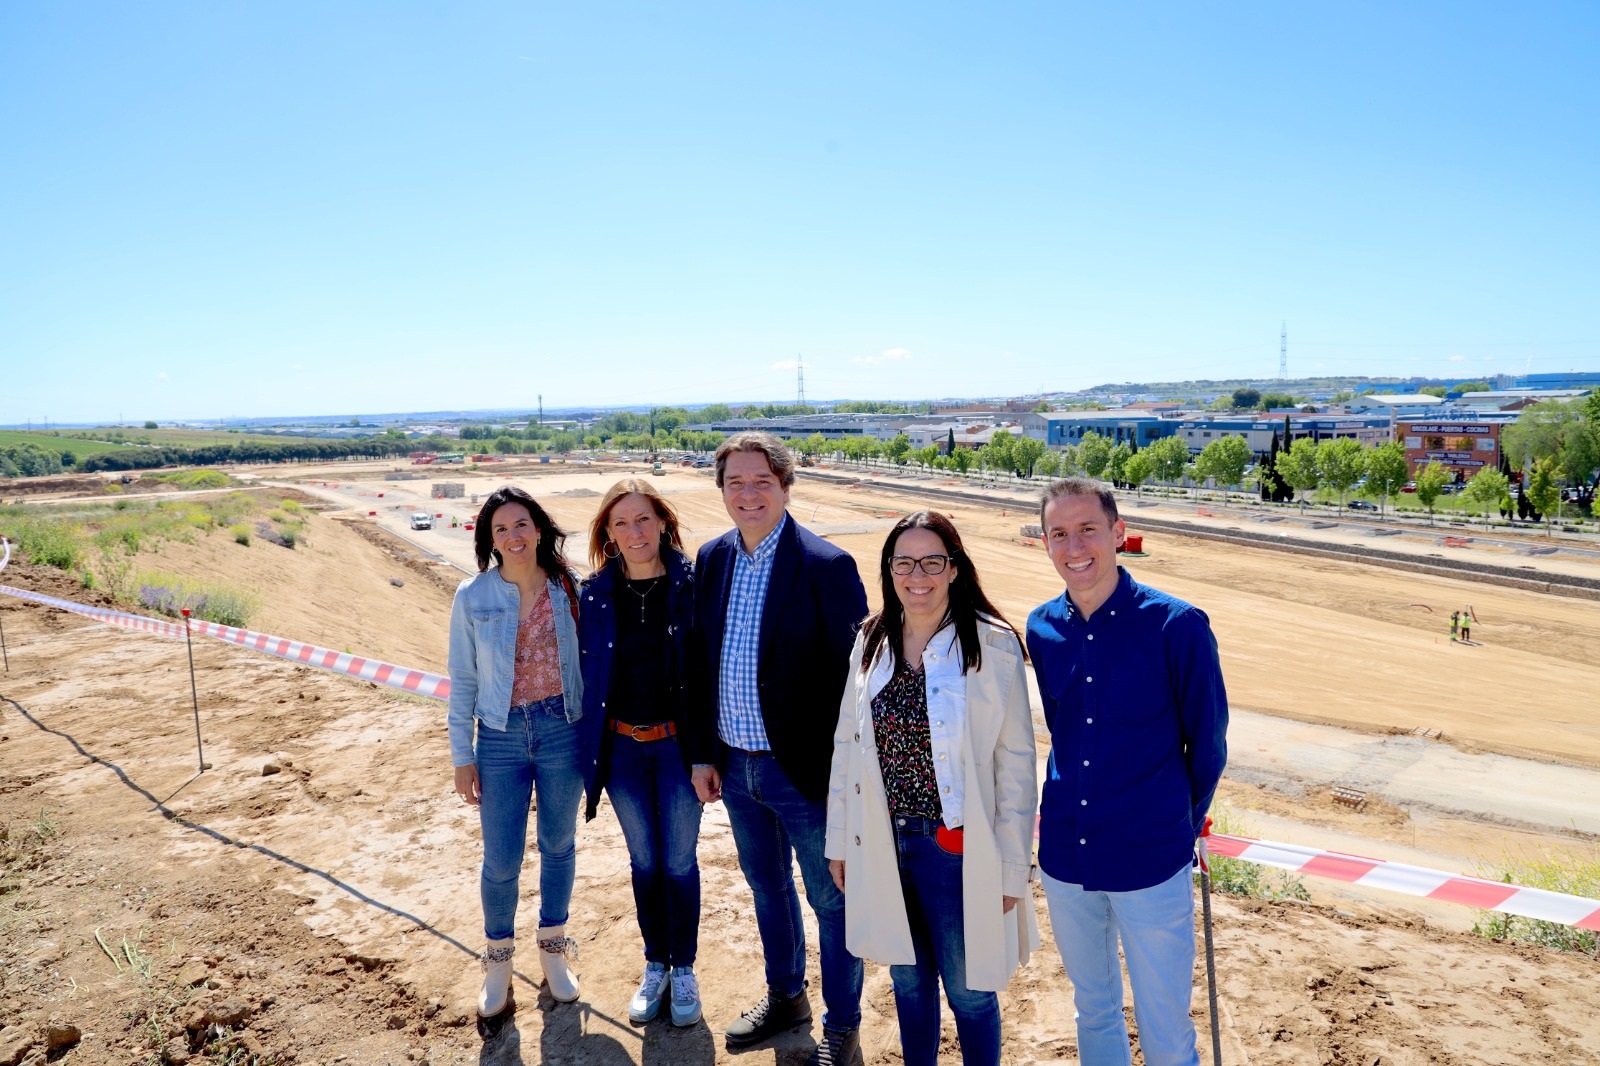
611,550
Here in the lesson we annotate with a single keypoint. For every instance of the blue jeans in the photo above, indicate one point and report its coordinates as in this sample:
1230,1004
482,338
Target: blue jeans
537,751
660,817
930,878
1156,926
771,822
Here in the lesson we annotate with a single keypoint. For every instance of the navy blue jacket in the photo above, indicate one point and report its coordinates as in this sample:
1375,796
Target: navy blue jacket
597,632
815,603
1138,719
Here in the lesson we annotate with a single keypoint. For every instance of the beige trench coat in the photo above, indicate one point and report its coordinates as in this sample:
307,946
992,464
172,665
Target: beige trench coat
998,760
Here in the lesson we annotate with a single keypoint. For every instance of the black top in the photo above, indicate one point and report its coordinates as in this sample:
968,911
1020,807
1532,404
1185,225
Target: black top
641,692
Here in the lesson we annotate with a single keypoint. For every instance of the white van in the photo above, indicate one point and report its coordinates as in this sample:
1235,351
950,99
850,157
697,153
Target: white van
421,520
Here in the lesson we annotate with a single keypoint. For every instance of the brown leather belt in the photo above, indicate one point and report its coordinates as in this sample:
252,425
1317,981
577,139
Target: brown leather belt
644,733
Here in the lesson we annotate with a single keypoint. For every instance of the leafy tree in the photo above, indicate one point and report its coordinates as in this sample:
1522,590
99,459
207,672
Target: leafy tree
1272,400
1094,452
897,448
505,445
714,412
1473,386
151,425
924,457
1431,480
1048,464
1387,469
1297,465
1433,390
813,445
1543,491
1025,454
1117,463
1223,460
962,459
1168,457
1138,469
1340,463
1565,432
1342,396
1489,489
1246,398
1069,461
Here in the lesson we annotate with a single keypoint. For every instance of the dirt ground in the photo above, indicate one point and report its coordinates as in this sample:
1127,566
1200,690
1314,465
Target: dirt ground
312,896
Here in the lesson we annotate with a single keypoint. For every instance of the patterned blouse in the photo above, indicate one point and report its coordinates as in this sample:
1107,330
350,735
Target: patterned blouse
905,751
537,665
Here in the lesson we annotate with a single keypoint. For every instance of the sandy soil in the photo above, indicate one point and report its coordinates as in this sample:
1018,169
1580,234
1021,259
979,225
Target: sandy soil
328,911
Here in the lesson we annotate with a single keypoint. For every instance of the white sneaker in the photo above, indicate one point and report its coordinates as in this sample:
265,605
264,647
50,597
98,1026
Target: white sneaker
685,996
647,1001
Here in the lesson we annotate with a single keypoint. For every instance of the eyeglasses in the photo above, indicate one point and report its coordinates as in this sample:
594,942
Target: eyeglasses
932,565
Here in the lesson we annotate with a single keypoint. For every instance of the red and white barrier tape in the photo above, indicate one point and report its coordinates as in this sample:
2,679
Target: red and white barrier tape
1413,880
404,678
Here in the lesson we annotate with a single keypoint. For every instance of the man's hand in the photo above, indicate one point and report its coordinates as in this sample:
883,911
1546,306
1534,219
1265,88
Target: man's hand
707,783
1008,902
467,784
836,868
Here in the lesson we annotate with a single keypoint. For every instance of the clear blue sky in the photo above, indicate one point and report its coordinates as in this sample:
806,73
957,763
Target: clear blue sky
221,209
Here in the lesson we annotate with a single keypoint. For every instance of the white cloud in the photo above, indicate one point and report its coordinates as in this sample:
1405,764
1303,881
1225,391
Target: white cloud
787,364
889,355
1458,359
161,376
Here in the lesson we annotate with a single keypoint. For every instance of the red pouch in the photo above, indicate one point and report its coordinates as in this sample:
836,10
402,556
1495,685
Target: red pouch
949,839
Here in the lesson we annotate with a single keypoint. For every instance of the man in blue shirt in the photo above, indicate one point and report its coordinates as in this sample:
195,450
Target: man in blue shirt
1138,718
776,612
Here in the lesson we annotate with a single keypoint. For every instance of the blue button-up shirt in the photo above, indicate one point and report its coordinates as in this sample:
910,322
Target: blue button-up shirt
739,721
1138,720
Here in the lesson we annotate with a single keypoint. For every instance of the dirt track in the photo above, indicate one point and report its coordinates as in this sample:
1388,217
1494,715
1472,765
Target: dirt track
332,906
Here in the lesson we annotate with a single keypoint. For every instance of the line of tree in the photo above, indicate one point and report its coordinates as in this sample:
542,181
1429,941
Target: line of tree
30,460
262,451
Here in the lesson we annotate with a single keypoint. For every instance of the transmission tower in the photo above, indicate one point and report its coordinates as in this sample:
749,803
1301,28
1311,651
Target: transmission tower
800,377
1283,352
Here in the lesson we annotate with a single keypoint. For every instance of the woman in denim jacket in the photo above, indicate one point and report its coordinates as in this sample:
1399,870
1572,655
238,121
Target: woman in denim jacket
633,630
514,675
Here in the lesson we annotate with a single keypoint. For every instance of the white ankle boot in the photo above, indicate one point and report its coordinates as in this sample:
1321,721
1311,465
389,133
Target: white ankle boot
555,948
496,977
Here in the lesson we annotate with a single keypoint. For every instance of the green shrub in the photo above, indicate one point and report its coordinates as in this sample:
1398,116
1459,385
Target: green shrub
241,534
213,601
278,516
292,506
47,541
1238,877
1573,871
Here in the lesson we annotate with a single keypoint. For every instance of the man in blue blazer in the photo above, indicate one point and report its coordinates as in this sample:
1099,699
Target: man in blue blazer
776,610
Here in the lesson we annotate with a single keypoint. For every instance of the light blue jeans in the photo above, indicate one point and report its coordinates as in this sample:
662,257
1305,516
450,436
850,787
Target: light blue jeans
536,754
1156,926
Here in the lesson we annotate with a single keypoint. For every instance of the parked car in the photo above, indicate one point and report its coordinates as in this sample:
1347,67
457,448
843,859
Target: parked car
421,520
1362,505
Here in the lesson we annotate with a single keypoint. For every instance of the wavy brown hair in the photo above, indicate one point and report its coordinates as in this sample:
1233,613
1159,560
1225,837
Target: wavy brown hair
967,599
600,536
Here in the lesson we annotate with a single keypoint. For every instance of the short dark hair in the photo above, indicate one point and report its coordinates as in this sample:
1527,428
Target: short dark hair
548,554
967,599
779,461
1079,486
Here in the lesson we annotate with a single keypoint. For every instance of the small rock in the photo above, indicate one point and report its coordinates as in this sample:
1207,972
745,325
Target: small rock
192,973
397,583
62,1034
37,1057
15,1042
276,763
396,1022
435,1005
228,1012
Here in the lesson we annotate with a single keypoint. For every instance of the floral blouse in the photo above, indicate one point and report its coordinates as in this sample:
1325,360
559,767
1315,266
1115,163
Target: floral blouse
537,664
905,750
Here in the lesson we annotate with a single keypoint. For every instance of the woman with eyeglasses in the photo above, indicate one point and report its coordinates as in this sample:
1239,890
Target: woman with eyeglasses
932,797
634,630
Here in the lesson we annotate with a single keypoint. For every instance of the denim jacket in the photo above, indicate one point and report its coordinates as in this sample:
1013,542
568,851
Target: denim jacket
483,646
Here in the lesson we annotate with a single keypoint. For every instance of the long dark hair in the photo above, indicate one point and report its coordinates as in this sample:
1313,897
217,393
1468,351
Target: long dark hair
552,537
967,600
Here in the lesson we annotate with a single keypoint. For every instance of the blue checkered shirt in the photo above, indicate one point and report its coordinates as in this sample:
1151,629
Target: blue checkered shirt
739,721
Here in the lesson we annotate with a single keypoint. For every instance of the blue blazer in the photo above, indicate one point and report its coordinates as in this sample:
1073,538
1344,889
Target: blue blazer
815,603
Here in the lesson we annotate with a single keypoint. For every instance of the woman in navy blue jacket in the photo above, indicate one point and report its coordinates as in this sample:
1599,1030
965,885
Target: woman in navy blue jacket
633,632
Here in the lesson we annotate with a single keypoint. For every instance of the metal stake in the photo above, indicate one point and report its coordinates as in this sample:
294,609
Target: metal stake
1211,966
194,692
3,653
